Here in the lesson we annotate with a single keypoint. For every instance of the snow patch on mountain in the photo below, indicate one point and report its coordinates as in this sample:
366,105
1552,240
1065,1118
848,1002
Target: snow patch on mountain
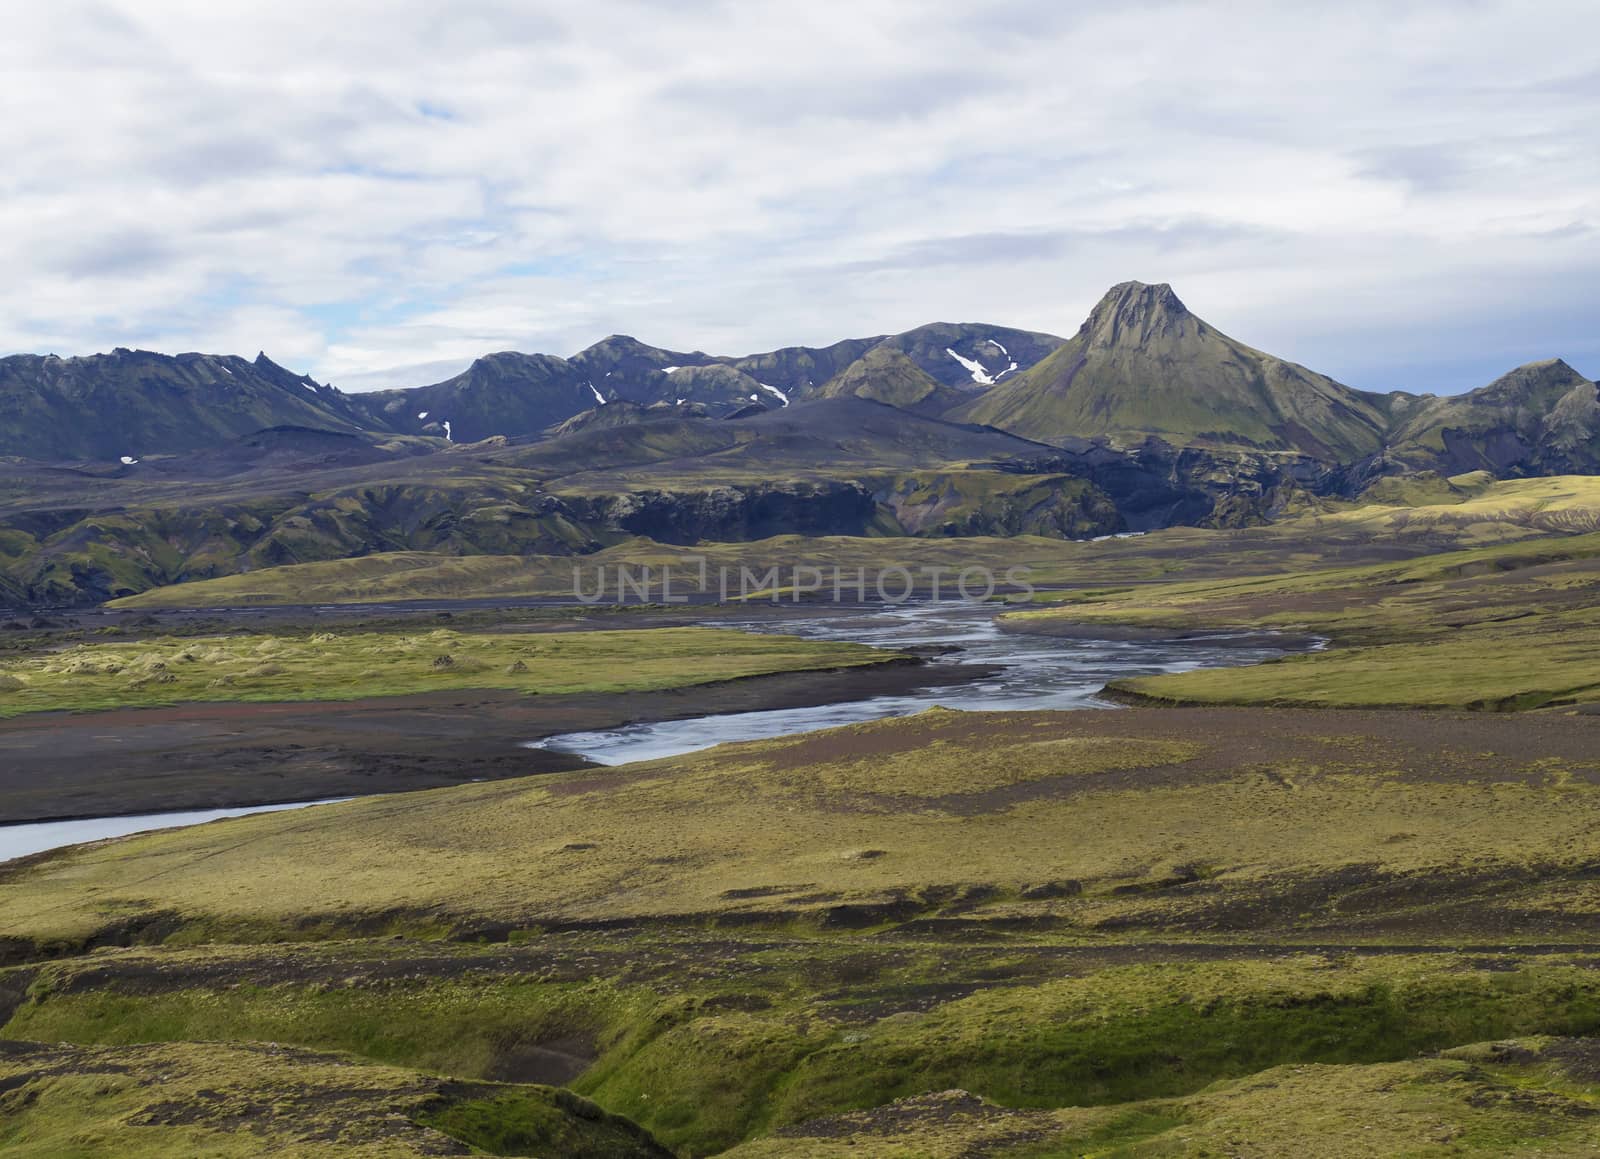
974,368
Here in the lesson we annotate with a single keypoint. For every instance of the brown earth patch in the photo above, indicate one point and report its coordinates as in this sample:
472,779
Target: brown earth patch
59,765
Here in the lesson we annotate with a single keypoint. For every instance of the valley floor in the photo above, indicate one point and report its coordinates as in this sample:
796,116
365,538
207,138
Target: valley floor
199,756
1152,931
1230,921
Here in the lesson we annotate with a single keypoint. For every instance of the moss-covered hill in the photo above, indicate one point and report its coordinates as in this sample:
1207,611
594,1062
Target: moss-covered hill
1261,822
1510,626
1534,1096
1542,418
237,1101
1082,920
1143,365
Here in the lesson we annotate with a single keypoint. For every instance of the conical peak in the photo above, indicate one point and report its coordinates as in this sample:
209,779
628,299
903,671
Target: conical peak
1135,312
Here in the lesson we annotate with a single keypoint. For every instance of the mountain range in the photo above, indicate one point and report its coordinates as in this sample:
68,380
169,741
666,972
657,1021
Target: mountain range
135,403
123,471
1141,366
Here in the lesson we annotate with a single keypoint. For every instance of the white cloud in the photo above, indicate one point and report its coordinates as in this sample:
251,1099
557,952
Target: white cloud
372,192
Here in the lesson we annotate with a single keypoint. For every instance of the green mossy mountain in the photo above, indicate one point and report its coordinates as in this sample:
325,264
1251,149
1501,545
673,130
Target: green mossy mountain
887,375
1540,419
961,355
124,471
133,403
968,356
1143,365
139,404
937,368
928,369
498,394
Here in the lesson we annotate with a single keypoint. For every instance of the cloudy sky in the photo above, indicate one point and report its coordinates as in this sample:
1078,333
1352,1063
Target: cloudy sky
1401,195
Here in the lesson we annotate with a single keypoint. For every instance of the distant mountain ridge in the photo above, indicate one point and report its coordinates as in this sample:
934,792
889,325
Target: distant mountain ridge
1142,366
1540,419
523,394
134,403
130,403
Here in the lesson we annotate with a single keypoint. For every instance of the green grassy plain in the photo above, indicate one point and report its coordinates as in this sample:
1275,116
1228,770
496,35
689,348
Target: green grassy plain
1133,821
1512,626
350,665
1151,932
1086,920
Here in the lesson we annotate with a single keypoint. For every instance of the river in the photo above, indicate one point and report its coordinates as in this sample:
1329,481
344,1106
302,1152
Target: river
38,836
1035,672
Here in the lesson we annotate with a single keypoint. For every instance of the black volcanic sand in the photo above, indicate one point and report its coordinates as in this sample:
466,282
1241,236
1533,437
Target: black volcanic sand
56,766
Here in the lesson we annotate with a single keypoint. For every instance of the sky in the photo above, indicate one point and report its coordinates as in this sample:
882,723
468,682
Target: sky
1401,195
